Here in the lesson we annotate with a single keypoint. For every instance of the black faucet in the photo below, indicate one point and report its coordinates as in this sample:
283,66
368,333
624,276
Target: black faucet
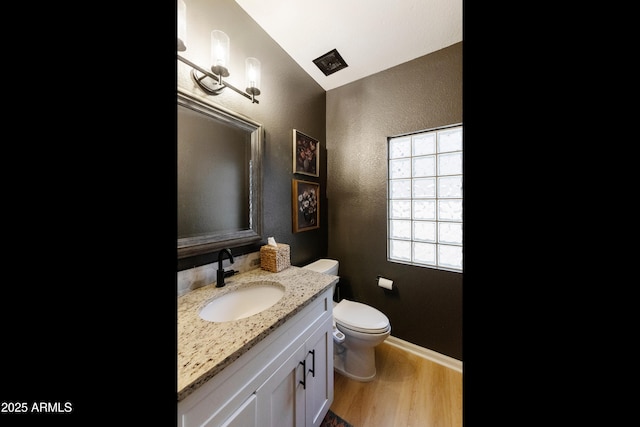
221,272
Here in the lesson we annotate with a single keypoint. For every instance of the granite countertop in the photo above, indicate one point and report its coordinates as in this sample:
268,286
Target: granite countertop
206,348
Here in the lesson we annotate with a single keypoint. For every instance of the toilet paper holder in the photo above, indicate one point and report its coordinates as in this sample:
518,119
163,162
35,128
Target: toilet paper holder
384,283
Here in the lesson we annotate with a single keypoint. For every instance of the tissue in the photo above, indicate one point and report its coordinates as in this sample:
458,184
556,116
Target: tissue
385,283
272,242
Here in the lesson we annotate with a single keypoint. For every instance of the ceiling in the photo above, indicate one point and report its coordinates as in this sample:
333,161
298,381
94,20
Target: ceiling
370,35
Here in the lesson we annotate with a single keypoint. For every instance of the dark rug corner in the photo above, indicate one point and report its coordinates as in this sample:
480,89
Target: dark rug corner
332,420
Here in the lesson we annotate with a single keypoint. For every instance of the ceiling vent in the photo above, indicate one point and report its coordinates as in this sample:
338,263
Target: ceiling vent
330,62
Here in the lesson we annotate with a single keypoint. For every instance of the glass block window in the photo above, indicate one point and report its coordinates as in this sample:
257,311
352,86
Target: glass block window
425,199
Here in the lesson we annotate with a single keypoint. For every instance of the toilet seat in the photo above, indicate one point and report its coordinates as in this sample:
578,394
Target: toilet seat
360,317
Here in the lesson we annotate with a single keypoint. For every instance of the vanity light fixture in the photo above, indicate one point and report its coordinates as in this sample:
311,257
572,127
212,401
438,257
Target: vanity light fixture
211,81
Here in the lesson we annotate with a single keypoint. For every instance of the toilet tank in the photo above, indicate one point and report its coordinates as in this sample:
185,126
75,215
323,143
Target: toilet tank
326,266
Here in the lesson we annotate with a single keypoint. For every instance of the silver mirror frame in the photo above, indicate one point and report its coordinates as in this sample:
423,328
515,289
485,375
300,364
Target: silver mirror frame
215,241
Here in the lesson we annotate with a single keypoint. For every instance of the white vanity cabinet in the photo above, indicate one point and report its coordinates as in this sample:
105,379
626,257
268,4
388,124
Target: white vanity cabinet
244,416
284,380
300,391
319,384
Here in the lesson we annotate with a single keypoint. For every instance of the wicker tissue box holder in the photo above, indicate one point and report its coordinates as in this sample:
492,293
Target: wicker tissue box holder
275,259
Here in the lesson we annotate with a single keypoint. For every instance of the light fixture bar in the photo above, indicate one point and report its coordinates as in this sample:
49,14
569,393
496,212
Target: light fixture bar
219,81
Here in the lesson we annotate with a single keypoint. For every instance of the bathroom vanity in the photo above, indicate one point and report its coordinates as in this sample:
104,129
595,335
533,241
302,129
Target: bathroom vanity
273,368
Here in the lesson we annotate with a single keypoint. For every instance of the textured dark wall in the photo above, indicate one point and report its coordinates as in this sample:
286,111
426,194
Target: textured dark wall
290,99
426,306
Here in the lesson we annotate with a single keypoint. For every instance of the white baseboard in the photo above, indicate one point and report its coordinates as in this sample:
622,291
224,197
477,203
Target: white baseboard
434,356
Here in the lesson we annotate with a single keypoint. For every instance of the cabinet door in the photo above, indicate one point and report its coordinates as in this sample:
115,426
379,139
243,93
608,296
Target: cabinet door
319,392
281,399
245,416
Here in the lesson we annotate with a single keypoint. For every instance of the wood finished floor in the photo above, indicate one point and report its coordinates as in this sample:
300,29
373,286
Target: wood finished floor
408,390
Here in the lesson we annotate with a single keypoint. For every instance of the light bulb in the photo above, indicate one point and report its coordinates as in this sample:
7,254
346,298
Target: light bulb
252,73
182,26
219,53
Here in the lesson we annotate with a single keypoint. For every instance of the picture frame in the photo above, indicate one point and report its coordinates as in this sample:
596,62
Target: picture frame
306,154
305,205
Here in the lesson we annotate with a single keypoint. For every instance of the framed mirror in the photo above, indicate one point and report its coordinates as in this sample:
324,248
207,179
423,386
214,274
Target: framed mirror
219,177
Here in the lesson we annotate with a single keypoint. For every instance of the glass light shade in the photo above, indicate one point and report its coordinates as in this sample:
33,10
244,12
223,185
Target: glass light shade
252,70
182,26
219,53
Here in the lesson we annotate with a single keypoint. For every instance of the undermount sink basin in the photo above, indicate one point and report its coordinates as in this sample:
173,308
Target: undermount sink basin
247,300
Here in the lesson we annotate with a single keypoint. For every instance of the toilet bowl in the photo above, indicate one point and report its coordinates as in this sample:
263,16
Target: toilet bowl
363,326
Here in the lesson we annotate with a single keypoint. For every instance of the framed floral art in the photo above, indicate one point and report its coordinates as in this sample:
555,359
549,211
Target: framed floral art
306,154
305,205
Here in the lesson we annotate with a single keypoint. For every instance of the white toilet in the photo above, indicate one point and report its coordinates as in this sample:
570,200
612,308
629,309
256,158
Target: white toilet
358,328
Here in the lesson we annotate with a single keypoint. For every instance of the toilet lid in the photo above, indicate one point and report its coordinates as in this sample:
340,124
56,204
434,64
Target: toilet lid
322,265
360,317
